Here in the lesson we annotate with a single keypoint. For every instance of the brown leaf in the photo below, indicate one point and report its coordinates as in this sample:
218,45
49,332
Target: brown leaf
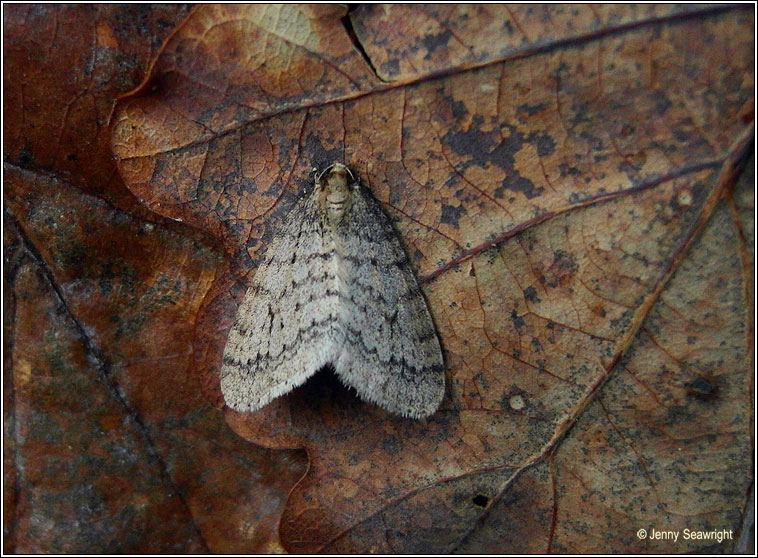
406,42
64,68
110,445
78,449
559,187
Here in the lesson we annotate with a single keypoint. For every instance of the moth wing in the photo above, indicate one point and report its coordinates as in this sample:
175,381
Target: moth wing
392,355
284,330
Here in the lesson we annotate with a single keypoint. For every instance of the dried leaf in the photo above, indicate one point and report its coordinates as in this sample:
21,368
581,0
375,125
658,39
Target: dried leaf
77,447
559,188
110,447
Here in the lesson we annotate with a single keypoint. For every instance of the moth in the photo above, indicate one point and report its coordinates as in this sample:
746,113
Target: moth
336,288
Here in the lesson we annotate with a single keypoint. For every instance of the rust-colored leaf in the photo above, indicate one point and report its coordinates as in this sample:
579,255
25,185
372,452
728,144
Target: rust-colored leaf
78,447
564,188
110,445
64,66
407,42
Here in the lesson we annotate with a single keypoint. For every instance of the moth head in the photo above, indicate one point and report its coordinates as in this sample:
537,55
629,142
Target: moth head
335,187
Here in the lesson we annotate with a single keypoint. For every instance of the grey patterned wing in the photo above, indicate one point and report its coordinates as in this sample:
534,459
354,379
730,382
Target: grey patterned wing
285,329
392,354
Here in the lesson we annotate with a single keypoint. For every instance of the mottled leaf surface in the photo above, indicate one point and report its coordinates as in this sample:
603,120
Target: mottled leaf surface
566,181
110,444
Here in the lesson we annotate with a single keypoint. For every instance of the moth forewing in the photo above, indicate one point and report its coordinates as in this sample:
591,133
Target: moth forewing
335,287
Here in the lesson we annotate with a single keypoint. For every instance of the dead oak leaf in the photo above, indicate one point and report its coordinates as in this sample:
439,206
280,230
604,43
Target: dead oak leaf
108,445
558,188
109,429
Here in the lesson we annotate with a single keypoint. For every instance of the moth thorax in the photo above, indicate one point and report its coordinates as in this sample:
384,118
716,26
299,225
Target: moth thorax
336,193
